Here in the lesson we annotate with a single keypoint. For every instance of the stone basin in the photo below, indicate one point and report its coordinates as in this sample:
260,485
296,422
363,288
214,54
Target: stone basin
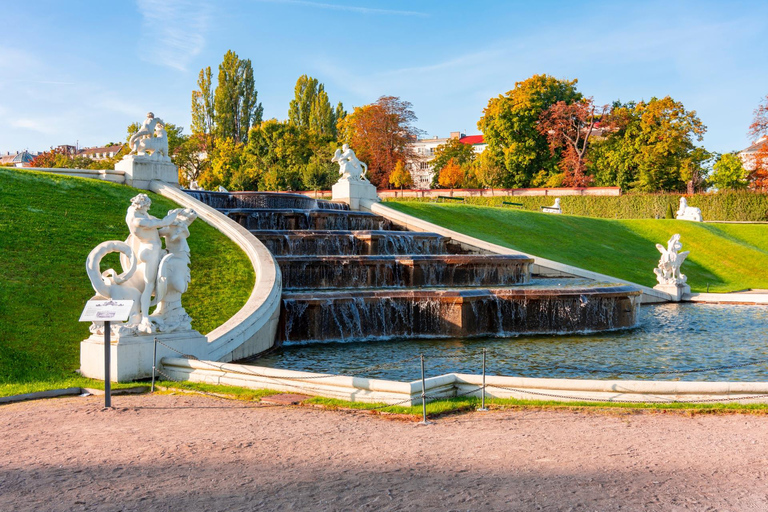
379,314
294,218
381,271
353,243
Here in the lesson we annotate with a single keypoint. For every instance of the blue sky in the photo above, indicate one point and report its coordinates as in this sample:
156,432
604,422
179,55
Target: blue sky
81,71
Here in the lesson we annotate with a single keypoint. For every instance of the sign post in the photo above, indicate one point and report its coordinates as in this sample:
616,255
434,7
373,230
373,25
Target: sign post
107,311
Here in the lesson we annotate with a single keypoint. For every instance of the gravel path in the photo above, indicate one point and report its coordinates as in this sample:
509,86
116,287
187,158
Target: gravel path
189,452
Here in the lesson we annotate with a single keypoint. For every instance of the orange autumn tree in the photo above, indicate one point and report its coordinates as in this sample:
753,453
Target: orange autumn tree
379,134
400,177
758,176
568,127
451,175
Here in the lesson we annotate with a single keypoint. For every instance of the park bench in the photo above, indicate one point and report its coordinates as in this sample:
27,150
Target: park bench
519,205
452,198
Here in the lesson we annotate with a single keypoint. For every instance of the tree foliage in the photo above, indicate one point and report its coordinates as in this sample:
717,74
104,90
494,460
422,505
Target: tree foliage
568,128
379,134
758,176
452,149
728,173
310,109
649,147
451,176
510,127
203,112
236,106
400,177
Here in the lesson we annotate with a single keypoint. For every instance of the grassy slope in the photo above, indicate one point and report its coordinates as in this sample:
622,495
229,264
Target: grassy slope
728,257
48,225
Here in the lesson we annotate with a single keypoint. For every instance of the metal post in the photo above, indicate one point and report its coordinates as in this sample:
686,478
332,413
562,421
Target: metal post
482,407
423,395
107,383
154,364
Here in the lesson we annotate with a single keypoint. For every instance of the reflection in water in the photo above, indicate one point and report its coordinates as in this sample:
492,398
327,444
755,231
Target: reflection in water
669,337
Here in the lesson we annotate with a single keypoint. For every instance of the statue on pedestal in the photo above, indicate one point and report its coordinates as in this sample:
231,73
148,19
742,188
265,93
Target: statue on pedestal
668,270
350,167
686,212
146,131
148,269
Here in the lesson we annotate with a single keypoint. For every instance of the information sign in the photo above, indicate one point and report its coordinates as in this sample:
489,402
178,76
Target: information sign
106,311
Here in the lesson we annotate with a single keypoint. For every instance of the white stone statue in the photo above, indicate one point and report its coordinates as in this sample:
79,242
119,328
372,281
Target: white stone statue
555,208
147,129
193,185
688,212
157,145
222,189
350,167
148,269
173,274
668,270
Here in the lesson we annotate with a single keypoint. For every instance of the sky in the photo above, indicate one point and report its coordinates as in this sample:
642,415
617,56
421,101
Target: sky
79,72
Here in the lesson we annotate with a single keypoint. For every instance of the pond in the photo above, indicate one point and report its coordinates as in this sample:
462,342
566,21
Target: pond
669,338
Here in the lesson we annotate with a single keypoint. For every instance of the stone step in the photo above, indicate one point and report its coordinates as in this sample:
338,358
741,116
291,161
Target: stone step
375,315
295,218
381,271
353,243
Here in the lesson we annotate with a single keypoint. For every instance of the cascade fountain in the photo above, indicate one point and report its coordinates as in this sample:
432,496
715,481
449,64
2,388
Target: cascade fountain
350,275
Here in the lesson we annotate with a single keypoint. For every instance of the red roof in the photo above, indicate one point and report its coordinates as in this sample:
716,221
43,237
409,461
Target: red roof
472,139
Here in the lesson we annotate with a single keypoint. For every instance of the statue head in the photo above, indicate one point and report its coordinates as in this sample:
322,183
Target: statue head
150,115
141,202
345,147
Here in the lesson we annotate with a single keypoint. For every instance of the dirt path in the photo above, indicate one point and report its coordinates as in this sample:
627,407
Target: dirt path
198,453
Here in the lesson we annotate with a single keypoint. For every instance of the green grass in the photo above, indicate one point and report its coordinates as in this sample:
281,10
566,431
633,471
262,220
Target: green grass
727,257
48,225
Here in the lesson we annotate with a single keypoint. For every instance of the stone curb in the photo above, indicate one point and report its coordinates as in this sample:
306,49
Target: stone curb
55,393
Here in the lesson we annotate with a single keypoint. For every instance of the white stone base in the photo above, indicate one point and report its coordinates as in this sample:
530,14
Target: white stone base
131,356
675,290
351,192
141,169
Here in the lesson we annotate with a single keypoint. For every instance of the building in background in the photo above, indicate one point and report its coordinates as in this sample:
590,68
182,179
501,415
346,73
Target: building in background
749,155
101,153
423,151
18,159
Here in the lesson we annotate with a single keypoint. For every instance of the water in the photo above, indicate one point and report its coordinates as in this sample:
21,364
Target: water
669,337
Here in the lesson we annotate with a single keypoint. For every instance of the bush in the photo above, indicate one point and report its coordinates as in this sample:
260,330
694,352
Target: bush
731,206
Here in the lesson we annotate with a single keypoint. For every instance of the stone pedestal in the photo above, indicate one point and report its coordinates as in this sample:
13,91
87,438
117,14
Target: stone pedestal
352,191
675,290
131,356
141,169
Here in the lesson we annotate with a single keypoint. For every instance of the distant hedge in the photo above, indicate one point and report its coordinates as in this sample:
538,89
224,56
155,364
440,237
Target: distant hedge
733,206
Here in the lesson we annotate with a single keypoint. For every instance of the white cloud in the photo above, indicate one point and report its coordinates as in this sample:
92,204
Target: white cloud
173,31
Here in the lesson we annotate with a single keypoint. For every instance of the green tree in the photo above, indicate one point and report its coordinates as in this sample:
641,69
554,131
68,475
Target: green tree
729,173
192,158
236,106
203,112
455,150
230,168
488,171
509,125
650,147
319,174
400,177
310,108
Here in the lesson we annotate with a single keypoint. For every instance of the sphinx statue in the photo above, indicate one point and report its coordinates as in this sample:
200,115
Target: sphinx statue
148,269
686,212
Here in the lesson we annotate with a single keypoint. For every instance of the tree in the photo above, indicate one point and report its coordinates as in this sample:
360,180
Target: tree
236,106
400,177
203,112
192,158
319,174
230,168
455,150
279,151
379,134
451,176
729,173
310,108
489,172
758,176
568,128
509,125
650,148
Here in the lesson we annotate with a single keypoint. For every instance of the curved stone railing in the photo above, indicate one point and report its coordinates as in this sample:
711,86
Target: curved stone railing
252,329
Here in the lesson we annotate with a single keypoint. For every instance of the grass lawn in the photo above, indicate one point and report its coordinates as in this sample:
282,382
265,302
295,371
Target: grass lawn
48,225
727,257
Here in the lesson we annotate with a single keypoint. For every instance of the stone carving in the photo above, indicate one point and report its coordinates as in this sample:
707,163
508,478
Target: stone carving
193,185
146,130
668,270
222,189
148,269
555,208
688,212
158,145
350,168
